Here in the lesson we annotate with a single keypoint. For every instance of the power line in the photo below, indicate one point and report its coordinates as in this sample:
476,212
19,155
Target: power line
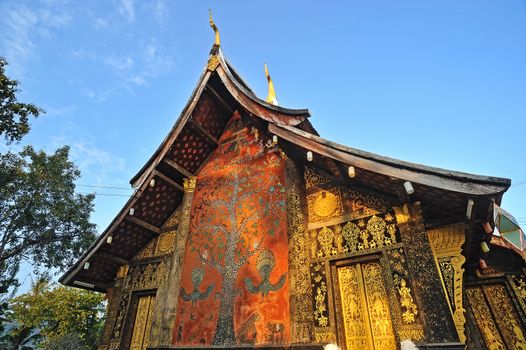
518,183
106,194
112,187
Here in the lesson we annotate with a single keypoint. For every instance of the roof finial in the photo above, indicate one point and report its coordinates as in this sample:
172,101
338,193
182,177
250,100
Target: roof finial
214,27
271,97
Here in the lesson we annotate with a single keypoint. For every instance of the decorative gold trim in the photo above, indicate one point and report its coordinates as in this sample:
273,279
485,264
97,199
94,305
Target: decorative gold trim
446,242
213,62
190,183
122,271
217,41
271,97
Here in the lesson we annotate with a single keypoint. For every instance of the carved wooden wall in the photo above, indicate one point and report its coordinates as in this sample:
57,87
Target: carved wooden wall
131,301
446,243
363,250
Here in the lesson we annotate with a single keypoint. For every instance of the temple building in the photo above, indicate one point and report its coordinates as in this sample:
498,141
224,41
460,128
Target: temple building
248,229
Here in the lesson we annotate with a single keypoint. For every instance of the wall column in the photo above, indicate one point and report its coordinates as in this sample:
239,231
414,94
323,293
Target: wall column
439,327
168,294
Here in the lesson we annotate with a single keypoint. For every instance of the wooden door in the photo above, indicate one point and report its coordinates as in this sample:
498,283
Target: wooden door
365,308
142,323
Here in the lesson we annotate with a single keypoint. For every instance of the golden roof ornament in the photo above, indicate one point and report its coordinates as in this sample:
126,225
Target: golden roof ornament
217,41
271,97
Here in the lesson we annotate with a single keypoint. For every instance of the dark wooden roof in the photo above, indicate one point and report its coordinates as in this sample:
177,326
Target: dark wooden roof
219,92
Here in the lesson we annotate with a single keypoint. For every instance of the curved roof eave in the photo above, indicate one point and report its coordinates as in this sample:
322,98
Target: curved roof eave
240,84
431,176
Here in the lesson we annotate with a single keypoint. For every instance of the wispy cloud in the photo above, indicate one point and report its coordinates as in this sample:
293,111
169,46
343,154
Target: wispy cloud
127,9
129,70
23,26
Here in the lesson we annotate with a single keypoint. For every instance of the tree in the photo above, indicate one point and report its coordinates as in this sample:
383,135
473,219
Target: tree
14,115
42,219
64,317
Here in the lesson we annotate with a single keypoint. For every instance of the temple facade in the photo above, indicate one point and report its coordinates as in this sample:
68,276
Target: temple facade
248,229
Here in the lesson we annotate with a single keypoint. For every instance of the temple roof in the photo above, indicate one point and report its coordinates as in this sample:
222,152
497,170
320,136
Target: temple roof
219,92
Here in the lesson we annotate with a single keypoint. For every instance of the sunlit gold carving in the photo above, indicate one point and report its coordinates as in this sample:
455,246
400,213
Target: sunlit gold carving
366,315
324,336
380,319
505,315
483,318
147,251
412,334
376,227
402,216
326,237
271,97
213,62
312,178
406,302
447,242
321,293
141,327
122,271
217,40
189,183
324,204
147,275
301,309
518,284
356,323
174,219
165,243
350,233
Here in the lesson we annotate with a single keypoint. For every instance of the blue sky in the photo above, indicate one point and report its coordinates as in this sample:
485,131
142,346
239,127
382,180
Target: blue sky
441,83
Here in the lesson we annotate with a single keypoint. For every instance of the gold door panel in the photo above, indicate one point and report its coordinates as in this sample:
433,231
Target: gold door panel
366,317
142,324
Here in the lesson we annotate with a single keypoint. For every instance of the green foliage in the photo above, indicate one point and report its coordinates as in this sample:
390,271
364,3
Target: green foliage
14,115
63,316
41,217
42,220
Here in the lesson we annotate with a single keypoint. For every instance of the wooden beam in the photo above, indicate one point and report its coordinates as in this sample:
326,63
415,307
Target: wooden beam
168,180
143,224
215,95
420,177
117,259
177,167
203,132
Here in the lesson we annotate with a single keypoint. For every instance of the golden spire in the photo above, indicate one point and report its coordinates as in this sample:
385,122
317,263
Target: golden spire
271,98
214,27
